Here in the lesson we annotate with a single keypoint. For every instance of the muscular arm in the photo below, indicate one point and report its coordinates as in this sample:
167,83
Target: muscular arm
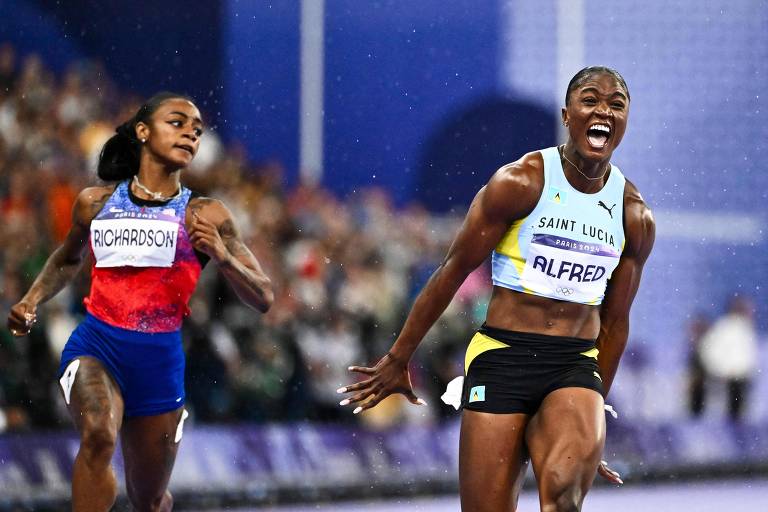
65,261
511,194
640,231
213,232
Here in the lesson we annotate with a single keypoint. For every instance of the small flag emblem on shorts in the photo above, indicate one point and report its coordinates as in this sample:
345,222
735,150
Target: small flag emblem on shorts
477,394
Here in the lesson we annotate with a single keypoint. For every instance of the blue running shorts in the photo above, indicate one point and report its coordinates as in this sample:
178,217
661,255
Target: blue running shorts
147,367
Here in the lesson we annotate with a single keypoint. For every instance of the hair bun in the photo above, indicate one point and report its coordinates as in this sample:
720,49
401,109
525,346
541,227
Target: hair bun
120,155
127,131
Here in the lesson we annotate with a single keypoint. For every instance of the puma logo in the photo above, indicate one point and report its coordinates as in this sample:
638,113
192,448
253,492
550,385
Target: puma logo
603,205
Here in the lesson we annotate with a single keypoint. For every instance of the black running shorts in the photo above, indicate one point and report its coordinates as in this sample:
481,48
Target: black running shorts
512,372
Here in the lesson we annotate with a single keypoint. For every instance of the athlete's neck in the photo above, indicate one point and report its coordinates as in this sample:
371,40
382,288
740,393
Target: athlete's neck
584,175
157,185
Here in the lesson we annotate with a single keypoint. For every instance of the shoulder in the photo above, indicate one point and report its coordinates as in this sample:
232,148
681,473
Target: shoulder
526,172
95,194
515,188
210,208
90,201
639,224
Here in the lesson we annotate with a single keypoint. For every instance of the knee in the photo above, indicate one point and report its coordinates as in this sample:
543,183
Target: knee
97,442
161,503
561,492
566,502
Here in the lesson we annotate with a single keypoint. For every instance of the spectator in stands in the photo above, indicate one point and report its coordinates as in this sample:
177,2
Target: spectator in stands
728,353
7,69
696,375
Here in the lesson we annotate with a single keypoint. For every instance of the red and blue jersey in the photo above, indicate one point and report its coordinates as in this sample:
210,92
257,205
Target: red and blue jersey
145,268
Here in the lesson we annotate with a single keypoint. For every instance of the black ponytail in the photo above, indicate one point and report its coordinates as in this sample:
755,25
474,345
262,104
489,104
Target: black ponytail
121,154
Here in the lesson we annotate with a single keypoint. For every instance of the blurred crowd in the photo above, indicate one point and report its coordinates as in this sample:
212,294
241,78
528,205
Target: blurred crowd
345,272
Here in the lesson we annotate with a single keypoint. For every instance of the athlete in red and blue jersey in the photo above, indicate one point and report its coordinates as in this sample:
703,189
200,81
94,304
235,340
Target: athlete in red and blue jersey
145,268
122,370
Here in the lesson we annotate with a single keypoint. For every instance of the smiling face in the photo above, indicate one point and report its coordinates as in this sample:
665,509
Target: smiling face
173,132
596,115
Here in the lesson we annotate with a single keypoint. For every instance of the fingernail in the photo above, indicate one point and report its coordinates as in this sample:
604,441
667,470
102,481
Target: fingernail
621,481
421,402
341,390
357,410
344,402
349,367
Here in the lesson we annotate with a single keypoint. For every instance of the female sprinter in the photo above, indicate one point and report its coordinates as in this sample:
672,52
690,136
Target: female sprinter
569,236
122,370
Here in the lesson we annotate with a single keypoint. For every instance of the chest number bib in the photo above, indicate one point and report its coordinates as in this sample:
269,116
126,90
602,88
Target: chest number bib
129,240
570,269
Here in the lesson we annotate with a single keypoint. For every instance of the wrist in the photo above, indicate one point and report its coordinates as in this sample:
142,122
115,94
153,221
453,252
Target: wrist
225,261
30,300
399,356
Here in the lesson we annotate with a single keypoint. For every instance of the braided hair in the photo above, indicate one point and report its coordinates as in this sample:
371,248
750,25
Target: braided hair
583,75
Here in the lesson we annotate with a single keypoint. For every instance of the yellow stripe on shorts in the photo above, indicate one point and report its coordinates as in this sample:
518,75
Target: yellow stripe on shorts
480,343
591,353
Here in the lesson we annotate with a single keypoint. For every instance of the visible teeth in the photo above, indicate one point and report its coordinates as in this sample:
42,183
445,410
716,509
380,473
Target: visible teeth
601,127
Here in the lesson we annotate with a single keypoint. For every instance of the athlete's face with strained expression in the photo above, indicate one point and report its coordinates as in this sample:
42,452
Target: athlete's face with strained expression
173,132
596,116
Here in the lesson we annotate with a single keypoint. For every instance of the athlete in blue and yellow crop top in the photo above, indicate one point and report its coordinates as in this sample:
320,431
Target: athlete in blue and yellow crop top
569,245
569,236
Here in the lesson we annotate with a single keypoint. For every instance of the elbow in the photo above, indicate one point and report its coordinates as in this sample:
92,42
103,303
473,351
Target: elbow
267,298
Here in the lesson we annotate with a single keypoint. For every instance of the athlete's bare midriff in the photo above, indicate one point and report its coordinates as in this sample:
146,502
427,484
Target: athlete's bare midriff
516,311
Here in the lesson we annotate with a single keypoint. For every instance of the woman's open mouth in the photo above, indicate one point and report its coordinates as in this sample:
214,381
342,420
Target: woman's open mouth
598,135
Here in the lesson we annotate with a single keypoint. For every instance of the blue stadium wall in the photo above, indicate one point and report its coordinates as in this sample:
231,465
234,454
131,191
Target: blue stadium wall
412,96
396,72
145,46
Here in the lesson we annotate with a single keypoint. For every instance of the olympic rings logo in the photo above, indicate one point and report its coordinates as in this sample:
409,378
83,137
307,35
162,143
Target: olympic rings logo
562,290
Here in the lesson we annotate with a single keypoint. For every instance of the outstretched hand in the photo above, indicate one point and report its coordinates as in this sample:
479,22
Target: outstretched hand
612,476
388,376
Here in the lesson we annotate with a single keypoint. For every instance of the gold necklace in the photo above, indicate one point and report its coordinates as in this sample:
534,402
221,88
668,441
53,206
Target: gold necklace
155,196
562,152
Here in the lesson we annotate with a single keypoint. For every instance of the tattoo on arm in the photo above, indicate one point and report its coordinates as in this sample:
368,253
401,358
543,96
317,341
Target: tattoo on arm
198,203
232,241
99,203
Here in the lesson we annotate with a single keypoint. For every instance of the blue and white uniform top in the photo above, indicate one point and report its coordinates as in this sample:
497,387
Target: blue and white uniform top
569,245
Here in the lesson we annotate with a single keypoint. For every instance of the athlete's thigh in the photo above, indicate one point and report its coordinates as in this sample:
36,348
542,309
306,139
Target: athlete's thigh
93,398
492,460
149,446
565,439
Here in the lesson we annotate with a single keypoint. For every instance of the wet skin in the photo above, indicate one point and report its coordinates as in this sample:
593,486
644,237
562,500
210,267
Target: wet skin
564,438
171,140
